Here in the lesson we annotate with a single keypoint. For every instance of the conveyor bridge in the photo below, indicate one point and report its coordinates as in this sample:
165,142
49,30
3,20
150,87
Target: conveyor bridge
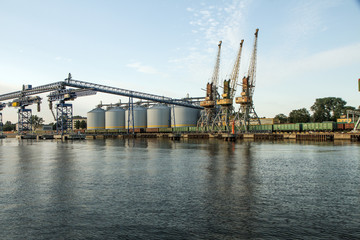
59,92
69,82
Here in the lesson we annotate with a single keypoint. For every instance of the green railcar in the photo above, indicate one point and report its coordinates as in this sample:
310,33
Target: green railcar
202,129
261,128
287,127
320,127
180,129
165,130
193,129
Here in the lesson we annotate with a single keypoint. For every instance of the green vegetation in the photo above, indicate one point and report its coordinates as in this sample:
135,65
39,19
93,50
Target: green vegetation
80,124
36,121
77,124
282,118
299,116
83,124
323,109
8,126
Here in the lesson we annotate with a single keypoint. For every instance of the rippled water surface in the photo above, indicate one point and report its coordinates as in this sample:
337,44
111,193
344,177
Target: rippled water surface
160,189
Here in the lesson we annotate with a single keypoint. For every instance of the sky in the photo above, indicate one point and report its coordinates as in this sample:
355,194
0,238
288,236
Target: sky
306,49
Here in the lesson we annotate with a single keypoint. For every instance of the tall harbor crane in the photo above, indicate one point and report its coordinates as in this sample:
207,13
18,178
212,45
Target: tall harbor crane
222,118
209,103
247,114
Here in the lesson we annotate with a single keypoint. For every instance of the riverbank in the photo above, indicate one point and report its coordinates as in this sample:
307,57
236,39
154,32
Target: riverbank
308,136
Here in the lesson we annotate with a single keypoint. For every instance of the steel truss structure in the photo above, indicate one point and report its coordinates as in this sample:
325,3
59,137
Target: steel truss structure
1,122
355,116
222,119
130,117
247,116
128,93
24,120
207,118
64,115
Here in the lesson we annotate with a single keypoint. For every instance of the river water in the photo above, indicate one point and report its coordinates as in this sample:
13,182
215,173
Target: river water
162,189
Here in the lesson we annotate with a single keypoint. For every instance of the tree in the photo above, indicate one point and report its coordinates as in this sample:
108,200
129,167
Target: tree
299,116
77,124
282,118
9,126
83,124
328,109
36,121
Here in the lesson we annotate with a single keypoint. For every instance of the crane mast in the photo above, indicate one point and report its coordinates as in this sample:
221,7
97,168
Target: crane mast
209,104
222,119
247,114
252,67
235,72
215,76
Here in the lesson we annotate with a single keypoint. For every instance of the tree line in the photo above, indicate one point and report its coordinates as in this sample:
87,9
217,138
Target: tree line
324,109
36,122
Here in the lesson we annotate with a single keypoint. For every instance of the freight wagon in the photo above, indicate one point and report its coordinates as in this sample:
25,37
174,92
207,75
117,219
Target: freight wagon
268,128
320,127
261,128
288,127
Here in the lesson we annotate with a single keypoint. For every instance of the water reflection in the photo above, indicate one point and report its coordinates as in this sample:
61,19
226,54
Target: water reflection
156,188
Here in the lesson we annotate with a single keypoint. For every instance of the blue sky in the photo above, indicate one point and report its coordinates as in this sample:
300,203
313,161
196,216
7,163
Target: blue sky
306,49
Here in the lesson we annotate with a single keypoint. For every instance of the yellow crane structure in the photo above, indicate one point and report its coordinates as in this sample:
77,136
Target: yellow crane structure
222,118
209,104
247,114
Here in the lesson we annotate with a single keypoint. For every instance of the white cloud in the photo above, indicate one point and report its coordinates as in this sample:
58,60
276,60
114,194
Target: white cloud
138,66
281,70
63,59
307,19
210,24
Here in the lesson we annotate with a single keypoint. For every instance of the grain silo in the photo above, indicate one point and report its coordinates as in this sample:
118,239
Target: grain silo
139,117
96,119
158,116
184,116
115,118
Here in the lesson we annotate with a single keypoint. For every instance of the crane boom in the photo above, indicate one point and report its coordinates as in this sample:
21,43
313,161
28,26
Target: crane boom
252,67
235,72
215,76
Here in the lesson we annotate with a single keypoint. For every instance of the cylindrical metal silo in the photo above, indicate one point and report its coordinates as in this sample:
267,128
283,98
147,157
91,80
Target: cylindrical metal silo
158,116
139,117
184,116
115,118
96,119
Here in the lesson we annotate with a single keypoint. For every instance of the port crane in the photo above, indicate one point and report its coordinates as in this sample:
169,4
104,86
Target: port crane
247,114
222,118
24,114
64,111
209,104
